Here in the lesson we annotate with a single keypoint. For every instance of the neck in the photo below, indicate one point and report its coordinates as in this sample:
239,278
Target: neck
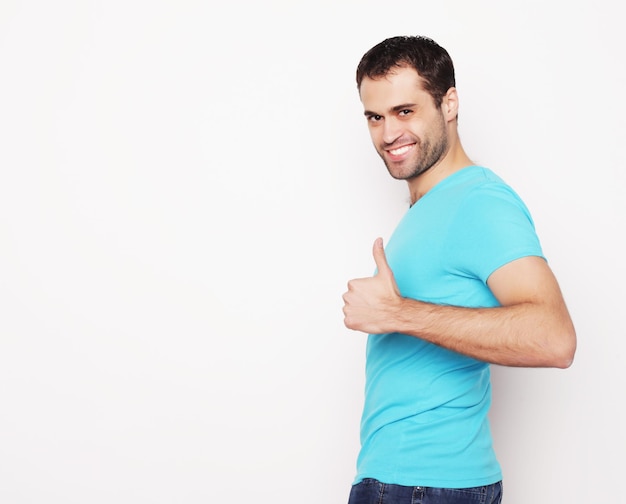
454,160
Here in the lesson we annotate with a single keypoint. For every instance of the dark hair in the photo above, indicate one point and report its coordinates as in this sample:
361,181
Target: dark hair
431,61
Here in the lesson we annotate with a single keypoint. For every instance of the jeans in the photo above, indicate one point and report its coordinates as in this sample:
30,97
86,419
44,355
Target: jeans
371,491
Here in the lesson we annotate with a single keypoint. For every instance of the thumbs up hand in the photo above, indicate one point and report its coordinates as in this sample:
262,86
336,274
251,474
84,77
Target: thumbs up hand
372,304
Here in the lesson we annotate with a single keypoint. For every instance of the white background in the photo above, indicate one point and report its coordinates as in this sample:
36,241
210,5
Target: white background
187,186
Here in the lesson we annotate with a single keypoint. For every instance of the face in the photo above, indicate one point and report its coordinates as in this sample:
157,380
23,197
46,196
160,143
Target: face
407,128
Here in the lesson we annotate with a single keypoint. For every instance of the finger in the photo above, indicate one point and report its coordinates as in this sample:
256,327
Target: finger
380,258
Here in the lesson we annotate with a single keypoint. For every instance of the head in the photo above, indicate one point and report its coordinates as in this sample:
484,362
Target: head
407,88
431,61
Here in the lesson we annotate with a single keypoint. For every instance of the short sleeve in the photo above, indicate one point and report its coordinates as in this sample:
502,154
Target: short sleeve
493,227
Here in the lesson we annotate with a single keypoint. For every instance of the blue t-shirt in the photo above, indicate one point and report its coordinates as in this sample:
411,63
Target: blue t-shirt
425,419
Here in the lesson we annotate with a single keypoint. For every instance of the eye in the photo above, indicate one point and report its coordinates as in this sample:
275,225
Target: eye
374,118
405,112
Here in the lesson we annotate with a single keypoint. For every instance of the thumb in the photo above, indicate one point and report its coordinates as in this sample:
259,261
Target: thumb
380,258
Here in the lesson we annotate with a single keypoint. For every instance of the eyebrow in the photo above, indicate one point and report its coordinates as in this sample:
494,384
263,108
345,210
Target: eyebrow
397,108
403,106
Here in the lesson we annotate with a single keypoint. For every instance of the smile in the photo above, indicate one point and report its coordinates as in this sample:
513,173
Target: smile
400,150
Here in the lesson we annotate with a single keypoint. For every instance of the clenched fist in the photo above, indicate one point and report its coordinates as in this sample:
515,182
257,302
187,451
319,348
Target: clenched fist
372,304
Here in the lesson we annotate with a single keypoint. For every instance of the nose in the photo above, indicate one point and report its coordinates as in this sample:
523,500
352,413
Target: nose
392,130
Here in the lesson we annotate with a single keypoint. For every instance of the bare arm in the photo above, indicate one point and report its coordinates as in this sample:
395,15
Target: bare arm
531,328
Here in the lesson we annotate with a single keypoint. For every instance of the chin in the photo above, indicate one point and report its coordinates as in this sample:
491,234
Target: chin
400,173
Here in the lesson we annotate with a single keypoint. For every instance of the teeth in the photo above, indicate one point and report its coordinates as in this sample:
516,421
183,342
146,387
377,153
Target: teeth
400,151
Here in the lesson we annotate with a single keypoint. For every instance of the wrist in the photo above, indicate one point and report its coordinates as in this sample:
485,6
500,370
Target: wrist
406,317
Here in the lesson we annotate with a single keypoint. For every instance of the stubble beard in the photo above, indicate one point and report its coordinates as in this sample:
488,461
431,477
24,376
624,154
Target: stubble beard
430,152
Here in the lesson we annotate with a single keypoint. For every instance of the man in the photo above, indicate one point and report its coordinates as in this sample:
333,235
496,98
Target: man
461,284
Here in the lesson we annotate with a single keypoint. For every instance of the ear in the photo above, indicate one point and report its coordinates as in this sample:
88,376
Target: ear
450,104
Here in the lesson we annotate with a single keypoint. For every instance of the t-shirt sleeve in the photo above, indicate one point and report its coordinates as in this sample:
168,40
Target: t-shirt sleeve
493,227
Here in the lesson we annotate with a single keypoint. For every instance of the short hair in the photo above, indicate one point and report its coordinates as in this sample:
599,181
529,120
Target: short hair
431,61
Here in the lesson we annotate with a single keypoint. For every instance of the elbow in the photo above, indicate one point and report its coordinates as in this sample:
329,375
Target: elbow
564,352
564,362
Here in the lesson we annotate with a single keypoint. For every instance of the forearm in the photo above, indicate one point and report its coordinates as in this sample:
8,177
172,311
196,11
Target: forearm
526,334
530,328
